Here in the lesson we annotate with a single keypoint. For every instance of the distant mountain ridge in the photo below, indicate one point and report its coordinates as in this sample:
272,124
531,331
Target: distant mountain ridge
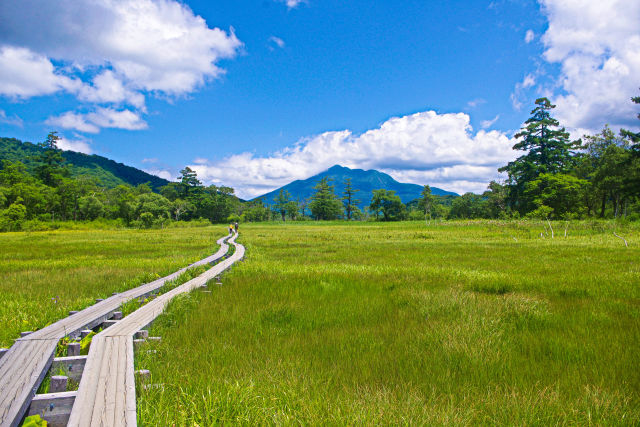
363,180
108,172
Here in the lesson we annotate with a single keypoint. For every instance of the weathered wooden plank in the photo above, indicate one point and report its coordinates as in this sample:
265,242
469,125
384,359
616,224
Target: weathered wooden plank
81,411
101,390
30,363
120,384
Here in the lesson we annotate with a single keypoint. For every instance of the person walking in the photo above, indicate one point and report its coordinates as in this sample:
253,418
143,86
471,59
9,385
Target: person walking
235,225
230,228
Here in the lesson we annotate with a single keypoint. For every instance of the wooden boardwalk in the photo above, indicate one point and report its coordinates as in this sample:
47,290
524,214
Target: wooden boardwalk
23,367
107,394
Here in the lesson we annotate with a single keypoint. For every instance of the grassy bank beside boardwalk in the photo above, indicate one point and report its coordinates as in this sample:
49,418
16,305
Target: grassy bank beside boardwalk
43,275
455,323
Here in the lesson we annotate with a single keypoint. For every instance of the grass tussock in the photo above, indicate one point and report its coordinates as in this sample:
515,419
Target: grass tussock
457,323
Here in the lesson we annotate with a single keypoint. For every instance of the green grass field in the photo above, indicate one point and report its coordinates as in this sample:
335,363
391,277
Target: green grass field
456,323
43,275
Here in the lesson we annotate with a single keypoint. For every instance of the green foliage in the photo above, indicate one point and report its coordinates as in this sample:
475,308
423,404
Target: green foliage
561,193
349,200
387,203
281,205
151,206
324,202
34,421
85,343
53,187
426,202
468,206
548,150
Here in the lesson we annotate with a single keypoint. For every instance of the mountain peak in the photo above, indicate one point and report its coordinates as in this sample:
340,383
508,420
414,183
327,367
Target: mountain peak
363,181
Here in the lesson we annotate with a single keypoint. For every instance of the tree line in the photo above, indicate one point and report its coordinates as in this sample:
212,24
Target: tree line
554,178
49,194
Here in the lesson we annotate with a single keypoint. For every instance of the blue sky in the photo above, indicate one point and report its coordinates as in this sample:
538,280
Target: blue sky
254,94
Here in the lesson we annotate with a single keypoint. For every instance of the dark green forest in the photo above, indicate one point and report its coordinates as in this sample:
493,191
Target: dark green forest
555,178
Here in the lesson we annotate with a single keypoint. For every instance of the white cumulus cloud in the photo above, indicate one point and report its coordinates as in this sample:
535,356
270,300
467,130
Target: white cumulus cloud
100,118
424,148
162,173
597,45
80,145
24,74
108,52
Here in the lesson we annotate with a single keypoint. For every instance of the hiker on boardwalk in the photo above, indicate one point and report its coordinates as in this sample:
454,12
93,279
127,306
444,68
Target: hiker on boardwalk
230,228
235,225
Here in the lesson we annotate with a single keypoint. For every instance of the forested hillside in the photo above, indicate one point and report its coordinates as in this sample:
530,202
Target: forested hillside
41,185
108,172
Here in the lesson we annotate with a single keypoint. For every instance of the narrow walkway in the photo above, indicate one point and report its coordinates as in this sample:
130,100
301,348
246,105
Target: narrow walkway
24,366
107,394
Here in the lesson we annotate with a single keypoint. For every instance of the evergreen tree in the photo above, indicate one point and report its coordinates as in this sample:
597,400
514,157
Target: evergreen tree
349,201
281,203
188,182
632,136
324,203
52,169
548,151
426,202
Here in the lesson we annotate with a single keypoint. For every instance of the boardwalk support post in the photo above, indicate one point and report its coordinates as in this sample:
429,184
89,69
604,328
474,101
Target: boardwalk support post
73,349
58,383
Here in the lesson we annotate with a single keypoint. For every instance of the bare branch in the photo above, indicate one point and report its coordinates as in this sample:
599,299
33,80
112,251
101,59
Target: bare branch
623,239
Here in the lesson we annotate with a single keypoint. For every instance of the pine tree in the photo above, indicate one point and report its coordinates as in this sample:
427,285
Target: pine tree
324,203
548,151
631,136
349,201
426,202
52,169
188,181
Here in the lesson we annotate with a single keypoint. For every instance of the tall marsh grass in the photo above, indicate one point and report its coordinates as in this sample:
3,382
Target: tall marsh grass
456,323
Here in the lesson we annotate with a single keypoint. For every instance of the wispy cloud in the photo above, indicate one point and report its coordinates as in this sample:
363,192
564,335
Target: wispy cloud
162,173
518,94
291,4
475,102
276,42
488,123
13,120
529,36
